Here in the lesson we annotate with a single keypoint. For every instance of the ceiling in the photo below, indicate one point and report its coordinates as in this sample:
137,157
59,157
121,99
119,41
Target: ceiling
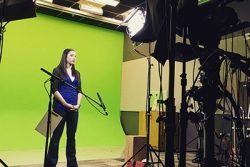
111,17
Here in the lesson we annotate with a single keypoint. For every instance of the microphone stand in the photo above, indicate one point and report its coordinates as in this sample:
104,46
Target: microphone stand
4,164
50,105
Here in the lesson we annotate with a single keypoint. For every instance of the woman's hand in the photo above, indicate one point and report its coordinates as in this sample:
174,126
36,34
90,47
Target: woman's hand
72,107
76,107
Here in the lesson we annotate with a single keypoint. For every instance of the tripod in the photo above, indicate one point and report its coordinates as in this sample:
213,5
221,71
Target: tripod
148,147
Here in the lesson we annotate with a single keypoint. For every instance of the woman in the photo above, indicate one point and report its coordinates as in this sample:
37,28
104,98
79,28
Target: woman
66,103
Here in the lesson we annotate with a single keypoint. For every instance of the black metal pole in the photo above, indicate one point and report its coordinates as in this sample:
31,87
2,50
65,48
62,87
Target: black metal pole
2,31
170,103
211,92
4,164
48,126
209,113
148,110
183,110
148,114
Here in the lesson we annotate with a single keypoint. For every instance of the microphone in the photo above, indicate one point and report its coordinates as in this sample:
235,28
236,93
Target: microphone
102,104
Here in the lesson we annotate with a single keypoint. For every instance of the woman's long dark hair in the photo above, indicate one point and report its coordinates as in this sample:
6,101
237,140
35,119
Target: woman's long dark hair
63,64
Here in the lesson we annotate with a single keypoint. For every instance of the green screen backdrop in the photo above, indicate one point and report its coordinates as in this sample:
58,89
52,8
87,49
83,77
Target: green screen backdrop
38,42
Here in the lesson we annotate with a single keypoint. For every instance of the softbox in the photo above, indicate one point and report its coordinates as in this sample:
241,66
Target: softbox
16,9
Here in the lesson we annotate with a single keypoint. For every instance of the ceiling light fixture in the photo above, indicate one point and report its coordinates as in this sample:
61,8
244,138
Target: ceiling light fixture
107,2
50,1
91,9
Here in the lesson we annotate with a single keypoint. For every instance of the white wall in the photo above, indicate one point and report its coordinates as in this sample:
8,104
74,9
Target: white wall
134,83
134,76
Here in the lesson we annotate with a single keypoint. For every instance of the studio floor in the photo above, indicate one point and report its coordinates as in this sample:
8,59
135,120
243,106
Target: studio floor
87,157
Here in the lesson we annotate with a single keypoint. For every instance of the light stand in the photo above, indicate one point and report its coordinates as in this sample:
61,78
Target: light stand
170,102
148,110
11,10
160,25
183,110
210,93
149,148
148,145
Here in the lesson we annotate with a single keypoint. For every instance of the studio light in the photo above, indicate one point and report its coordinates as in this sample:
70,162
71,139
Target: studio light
145,25
135,21
149,25
13,10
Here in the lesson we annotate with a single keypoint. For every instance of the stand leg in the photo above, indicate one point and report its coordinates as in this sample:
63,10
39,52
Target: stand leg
158,158
48,126
148,163
134,155
4,164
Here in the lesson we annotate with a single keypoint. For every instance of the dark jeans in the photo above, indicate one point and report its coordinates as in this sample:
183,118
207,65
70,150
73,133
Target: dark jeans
71,119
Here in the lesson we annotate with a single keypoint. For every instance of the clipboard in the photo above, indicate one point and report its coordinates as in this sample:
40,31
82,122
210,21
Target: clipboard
42,125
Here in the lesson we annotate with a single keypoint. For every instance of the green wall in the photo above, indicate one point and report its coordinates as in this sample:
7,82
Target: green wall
38,42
